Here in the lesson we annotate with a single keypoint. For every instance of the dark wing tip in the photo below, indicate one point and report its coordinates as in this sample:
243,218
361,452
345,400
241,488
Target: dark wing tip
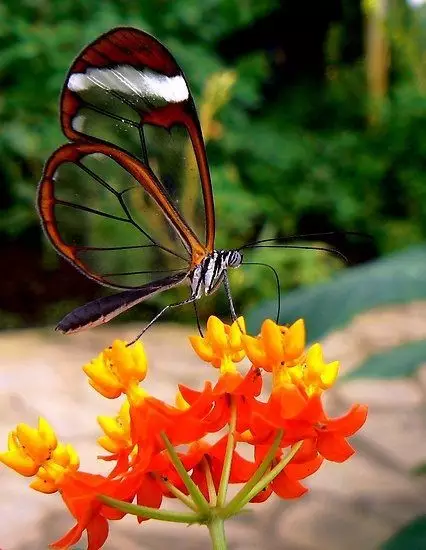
67,325
60,328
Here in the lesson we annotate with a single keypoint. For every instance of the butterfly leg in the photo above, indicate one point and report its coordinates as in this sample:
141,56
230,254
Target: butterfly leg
229,296
160,313
200,330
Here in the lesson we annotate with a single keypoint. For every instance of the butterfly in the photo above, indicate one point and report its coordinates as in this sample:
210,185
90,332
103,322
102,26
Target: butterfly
128,114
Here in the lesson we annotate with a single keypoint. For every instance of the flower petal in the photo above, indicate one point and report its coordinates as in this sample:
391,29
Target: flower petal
272,341
149,494
97,533
47,433
22,464
69,539
304,469
202,348
254,350
217,334
334,447
263,495
349,423
284,487
294,340
290,399
43,486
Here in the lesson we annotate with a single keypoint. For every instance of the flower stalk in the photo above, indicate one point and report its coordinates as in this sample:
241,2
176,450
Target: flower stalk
240,499
199,501
151,513
217,533
268,478
227,462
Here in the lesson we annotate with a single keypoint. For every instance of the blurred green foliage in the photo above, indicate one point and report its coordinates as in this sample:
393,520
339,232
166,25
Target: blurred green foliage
412,536
295,155
396,279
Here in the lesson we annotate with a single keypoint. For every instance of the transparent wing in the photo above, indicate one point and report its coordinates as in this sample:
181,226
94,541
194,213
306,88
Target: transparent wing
91,194
126,89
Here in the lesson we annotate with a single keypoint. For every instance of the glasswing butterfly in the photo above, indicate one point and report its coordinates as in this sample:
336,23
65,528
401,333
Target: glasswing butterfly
128,113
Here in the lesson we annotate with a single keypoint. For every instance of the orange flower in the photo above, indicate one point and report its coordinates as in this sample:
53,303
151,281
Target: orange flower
80,493
288,431
287,483
333,432
242,389
329,435
205,461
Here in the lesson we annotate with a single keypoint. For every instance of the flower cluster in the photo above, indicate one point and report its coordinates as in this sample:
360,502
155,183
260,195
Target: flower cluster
287,433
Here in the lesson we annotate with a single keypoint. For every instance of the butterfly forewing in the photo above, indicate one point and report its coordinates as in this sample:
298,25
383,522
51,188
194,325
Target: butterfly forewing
126,89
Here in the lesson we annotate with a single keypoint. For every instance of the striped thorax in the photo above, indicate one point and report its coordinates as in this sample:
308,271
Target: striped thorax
206,277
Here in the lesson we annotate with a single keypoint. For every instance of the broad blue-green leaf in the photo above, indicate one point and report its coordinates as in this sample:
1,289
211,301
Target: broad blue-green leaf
411,537
395,279
399,362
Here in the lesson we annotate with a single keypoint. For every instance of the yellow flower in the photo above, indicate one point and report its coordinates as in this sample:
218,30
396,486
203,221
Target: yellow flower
36,452
118,369
281,350
276,345
116,429
317,375
63,461
222,344
311,375
29,447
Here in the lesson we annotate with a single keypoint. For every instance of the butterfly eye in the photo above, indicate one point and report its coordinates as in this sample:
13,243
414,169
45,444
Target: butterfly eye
235,259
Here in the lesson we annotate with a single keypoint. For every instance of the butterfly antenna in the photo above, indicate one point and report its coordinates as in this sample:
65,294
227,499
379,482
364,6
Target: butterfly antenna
333,251
277,282
302,236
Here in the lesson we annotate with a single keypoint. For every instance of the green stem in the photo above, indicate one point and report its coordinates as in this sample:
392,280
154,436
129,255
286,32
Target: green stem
196,495
185,499
217,533
234,505
229,452
271,475
210,483
152,513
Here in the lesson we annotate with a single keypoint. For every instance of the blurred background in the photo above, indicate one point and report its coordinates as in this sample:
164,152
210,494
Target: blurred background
313,119
314,115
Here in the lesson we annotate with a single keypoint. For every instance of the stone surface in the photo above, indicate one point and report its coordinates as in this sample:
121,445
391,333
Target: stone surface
354,505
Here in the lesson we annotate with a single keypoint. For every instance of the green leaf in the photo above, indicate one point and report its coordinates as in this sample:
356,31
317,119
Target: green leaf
399,362
411,536
399,278
419,470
